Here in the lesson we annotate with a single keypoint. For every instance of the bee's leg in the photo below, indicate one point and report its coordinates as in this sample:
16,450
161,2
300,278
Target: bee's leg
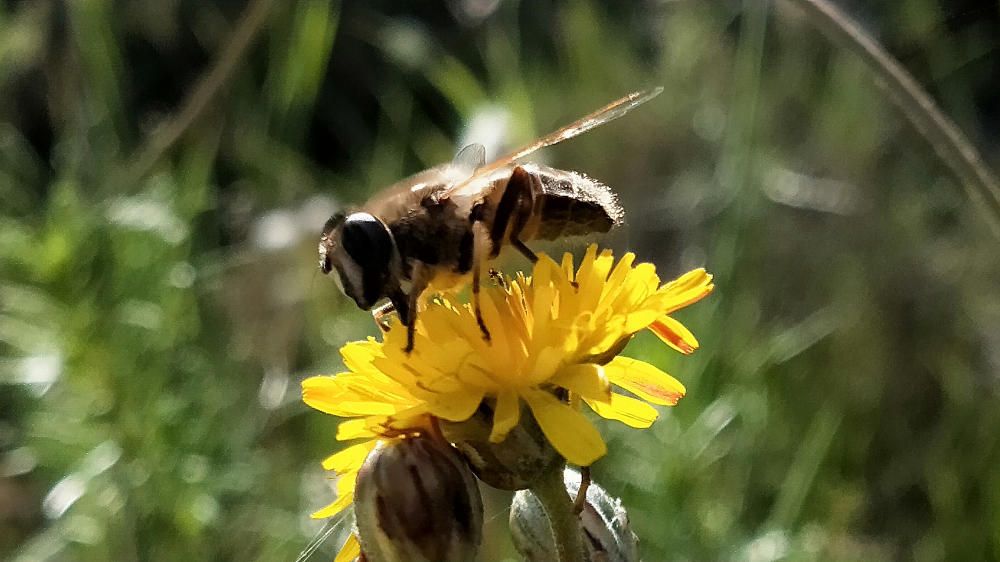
406,304
476,305
411,328
517,200
381,313
478,240
524,249
522,194
407,315
400,301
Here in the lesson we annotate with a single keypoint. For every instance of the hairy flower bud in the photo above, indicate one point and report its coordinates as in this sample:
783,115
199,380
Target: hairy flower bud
417,501
512,464
604,526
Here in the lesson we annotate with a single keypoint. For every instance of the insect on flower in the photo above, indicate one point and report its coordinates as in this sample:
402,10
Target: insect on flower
512,407
435,229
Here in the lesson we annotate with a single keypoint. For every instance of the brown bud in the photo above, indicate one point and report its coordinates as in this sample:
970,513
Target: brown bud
604,526
416,501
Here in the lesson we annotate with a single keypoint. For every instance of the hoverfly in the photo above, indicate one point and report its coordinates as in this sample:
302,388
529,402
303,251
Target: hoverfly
435,228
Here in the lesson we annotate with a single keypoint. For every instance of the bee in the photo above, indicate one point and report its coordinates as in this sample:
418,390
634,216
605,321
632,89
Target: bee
437,228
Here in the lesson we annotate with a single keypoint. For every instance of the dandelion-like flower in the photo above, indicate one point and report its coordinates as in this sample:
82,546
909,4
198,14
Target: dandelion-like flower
555,342
371,399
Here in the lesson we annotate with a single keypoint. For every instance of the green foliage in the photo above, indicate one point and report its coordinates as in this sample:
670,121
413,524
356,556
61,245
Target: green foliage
844,404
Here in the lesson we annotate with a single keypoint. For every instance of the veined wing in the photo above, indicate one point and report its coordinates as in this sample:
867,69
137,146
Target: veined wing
469,159
437,179
610,112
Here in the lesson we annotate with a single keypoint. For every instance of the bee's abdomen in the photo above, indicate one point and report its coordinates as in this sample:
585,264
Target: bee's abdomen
572,204
565,216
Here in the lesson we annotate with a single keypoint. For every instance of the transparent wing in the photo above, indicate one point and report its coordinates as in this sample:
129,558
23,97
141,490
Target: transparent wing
610,112
470,158
464,166
339,525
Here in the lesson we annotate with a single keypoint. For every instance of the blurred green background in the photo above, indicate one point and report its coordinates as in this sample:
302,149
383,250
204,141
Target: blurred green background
159,301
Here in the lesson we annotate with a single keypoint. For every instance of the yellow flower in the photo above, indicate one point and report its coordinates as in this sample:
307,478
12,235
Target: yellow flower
554,335
560,328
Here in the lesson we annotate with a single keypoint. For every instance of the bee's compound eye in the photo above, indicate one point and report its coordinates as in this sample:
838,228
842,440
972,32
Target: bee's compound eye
367,240
333,222
369,244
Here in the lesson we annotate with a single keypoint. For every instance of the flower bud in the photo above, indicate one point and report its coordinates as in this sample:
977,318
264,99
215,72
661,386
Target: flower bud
512,464
604,526
416,501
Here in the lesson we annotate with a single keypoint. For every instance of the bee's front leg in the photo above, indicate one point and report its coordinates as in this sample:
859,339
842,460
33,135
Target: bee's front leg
381,316
406,304
400,301
410,321
411,328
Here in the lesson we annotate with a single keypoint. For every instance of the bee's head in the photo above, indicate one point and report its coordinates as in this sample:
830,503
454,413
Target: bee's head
359,252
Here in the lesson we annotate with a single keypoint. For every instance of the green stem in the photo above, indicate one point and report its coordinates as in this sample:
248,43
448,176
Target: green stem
551,492
955,149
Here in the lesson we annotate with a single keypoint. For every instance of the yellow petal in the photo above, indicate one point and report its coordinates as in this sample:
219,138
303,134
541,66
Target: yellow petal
568,430
543,294
586,264
567,266
506,415
644,278
685,290
619,273
674,334
350,550
611,332
587,380
436,319
410,418
546,362
628,410
545,271
644,380
358,355
350,408
329,395
350,458
510,321
458,406
692,279
640,319
334,508
498,333
375,386
592,277
516,318
326,386
403,369
357,428
346,483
